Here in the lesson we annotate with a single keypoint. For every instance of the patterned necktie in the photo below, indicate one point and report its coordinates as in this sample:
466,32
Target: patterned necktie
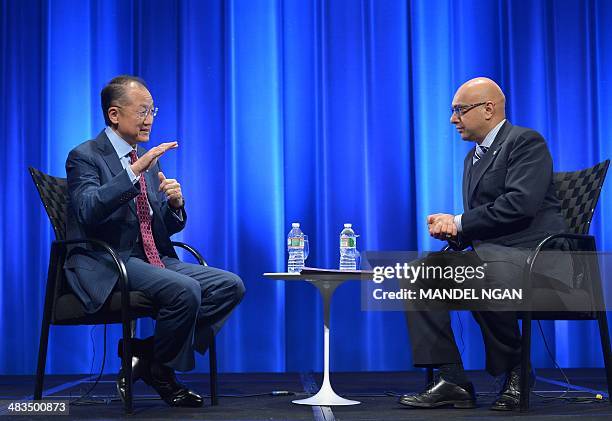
479,153
142,210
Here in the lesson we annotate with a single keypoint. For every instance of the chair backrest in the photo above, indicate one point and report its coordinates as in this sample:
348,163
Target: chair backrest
53,192
579,192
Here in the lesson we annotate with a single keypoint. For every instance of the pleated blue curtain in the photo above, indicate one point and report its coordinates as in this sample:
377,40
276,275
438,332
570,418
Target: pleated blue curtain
322,112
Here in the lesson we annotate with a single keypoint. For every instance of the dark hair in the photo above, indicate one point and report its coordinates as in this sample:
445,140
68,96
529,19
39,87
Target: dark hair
115,91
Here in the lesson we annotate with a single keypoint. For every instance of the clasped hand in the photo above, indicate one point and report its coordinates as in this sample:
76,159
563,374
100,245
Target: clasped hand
442,226
172,189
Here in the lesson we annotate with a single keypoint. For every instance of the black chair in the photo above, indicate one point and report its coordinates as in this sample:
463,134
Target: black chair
579,192
62,306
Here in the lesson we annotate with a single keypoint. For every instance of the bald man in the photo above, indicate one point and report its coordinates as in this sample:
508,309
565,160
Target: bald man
509,206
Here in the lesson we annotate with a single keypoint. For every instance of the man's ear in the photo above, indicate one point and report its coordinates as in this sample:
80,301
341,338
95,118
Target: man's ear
489,110
113,115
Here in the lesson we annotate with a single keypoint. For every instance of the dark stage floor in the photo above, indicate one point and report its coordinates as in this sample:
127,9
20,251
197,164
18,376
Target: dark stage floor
245,397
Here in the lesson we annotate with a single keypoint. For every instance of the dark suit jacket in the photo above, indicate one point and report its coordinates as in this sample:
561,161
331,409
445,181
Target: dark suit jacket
101,206
509,198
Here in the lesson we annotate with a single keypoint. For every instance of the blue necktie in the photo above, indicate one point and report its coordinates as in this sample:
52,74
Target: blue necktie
479,153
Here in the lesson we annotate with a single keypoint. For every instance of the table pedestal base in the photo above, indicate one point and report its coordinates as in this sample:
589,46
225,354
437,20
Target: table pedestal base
326,397
326,282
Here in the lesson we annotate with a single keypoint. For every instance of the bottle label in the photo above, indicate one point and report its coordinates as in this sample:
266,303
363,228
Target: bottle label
347,242
295,242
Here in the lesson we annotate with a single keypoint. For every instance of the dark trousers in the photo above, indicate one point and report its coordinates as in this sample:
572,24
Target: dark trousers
431,335
433,342
193,300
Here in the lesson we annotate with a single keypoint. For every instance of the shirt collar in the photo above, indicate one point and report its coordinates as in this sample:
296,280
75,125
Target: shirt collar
488,140
122,148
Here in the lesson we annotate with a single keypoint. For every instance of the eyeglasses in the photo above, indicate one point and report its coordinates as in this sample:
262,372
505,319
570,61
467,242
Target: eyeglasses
461,110
144,113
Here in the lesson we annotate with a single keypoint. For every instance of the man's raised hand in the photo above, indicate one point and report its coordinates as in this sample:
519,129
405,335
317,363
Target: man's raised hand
150,158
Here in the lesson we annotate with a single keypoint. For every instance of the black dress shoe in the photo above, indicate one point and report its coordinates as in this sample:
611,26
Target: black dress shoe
442,393
163,380
510,396
140,363
140,370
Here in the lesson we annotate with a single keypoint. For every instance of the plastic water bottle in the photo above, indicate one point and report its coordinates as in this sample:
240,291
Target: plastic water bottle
348,248
295,247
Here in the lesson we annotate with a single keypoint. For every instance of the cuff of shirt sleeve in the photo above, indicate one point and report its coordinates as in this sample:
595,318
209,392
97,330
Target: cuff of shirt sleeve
178,213
457,221
133,177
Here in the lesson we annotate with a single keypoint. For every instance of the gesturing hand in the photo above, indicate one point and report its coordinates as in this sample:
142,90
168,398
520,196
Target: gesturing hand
442,226
172,189
150,158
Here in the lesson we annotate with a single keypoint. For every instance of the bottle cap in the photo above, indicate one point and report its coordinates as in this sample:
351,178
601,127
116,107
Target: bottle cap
348,225
295,225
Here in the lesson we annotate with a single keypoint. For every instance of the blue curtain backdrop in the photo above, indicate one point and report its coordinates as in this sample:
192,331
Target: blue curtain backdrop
323,112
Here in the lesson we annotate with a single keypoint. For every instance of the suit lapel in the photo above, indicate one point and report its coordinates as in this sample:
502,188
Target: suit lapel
486,161
109,154
467,167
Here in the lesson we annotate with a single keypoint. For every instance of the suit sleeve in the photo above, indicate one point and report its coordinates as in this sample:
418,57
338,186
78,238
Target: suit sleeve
528,176
173,223
92,201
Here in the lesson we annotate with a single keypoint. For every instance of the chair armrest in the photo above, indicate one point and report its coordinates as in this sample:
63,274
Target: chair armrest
191,250
120,266
530,263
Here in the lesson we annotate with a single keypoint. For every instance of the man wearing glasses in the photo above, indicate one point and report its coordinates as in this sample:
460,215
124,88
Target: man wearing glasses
118,194
509,206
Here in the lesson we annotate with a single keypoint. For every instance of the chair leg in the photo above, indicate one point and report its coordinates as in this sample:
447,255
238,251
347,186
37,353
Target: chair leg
126,364
604,334
42,358
212,356
53,273
525,362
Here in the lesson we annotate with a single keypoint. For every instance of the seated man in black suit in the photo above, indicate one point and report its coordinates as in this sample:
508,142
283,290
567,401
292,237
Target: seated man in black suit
118,194
509,206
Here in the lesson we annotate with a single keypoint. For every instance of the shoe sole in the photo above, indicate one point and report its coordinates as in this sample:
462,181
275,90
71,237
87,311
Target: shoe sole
503,409
506,408
455,404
